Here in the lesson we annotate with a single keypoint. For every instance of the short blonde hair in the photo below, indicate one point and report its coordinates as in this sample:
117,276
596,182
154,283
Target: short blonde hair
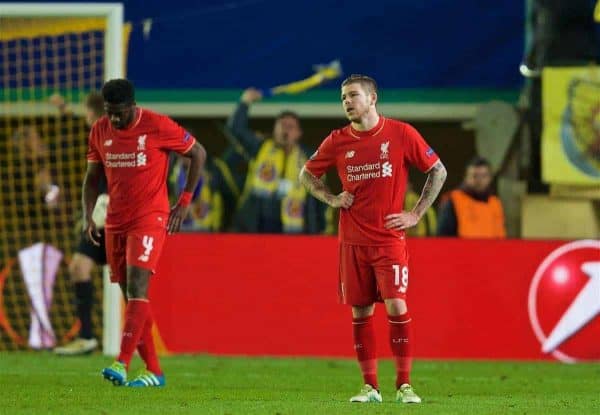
366,81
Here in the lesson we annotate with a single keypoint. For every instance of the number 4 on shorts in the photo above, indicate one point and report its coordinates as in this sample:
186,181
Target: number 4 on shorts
147,243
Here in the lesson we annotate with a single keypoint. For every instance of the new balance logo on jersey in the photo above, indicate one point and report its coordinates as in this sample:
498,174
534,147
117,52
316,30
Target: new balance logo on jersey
385,150
386,169
141,159
107,143
147,243
350,154
141,142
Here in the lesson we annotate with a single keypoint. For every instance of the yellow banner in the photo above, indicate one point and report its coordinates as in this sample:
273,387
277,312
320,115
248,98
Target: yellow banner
571,133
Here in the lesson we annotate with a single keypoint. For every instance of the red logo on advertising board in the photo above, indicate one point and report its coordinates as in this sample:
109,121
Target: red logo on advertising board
564,302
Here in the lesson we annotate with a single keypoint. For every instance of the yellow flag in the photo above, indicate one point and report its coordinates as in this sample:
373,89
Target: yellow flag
571,130
322,73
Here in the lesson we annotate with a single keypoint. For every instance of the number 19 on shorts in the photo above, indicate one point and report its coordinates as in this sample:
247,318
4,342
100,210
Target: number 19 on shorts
400,281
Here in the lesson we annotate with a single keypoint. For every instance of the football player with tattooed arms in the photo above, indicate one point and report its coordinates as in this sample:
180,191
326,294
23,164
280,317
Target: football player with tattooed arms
372,156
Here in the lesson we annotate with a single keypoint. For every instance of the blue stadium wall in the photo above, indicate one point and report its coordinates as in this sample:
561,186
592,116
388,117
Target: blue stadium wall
403,44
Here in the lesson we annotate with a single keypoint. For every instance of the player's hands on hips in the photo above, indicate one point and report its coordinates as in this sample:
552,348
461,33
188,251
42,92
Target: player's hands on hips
251,95
343,200
91,231
399,221
176,217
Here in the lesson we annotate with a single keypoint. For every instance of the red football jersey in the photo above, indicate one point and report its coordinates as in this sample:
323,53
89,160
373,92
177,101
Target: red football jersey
135,162
373,166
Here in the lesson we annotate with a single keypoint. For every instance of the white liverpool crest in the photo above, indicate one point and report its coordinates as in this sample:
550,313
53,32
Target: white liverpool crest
385,147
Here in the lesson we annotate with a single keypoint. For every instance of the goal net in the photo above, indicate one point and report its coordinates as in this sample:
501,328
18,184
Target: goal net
51,57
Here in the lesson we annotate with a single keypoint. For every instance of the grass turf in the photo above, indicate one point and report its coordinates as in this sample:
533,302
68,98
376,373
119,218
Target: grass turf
39,383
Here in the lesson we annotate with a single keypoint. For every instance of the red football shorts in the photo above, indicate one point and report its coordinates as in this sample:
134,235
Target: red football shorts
140,247
368,274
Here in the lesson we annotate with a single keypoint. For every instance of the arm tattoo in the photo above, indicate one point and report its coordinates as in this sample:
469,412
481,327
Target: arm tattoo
435,180
316,187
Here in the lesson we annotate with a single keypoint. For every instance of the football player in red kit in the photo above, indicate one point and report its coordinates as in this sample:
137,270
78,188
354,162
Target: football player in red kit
372,156
130,146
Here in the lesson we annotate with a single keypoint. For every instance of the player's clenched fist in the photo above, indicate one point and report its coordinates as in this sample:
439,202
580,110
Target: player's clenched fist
343,200
251,95
399,221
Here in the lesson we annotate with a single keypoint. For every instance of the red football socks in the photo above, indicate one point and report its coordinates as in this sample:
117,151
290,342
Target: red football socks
146,347
401,347
136,314
366,351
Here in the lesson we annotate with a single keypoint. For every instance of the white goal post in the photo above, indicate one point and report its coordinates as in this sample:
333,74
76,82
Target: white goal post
113,68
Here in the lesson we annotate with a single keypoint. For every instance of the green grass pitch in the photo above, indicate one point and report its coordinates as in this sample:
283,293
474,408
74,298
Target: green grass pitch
40,383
